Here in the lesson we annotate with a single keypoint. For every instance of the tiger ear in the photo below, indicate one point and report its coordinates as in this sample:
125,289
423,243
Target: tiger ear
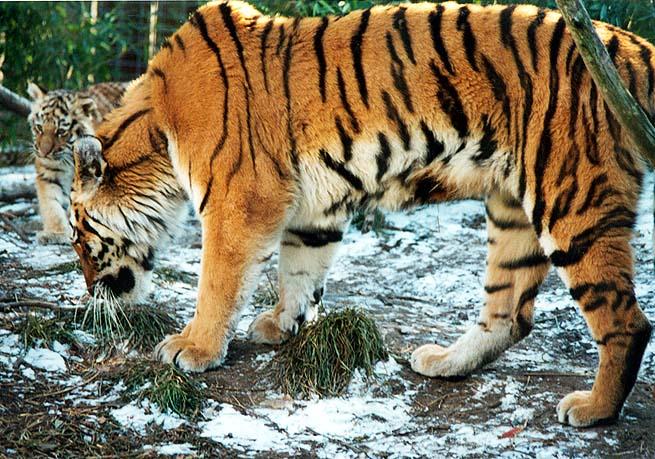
89,164
87,106
35,91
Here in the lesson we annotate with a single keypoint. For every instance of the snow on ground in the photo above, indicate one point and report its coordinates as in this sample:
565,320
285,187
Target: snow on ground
422,281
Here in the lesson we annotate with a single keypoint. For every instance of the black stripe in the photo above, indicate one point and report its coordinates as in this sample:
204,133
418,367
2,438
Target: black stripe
529,261
569,58
545,145
249,127
51,181
632,79
320,55
532,37
397,69
317,237
121,128
562,205
293,154
618,220
167,45
400,24
236,166
505,224
469,39
488,144
613,48
340,168
346,140
264,47
450,102
508,40
435,19
281,38
646,56
199,22
528,295
354,123
577,72
496,288
180,43
393,115
591,193
356,49
383,157
498,87
226,13
434,148
156,71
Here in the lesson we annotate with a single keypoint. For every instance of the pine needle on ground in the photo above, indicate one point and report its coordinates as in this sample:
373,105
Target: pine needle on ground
322,358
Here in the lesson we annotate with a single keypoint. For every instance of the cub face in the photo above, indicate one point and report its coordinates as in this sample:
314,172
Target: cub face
57,118
113,264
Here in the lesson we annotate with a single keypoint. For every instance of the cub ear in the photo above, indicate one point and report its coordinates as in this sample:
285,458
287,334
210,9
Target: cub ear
87,106
89,163
35,91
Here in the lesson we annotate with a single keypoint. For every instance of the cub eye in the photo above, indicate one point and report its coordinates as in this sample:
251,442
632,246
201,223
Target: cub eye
61,132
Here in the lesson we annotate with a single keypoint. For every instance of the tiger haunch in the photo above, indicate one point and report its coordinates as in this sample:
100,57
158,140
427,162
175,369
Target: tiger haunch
278,129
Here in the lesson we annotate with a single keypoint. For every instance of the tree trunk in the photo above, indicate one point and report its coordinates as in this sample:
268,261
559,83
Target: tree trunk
602,70
14,102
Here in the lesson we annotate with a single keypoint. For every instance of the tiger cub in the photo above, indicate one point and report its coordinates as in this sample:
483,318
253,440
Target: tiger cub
278,129
57,119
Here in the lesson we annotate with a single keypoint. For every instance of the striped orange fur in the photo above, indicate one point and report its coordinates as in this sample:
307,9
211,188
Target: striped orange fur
278,129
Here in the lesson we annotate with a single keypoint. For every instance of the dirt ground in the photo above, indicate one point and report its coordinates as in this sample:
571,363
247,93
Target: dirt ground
420,279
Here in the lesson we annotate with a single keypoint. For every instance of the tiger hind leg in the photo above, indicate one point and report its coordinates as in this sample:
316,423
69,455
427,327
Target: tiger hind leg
516,267
597,266
305,257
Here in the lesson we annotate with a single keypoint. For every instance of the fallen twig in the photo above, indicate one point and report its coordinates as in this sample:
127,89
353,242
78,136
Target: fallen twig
8,303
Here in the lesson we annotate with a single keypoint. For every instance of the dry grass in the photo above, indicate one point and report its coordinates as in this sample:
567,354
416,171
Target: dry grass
322,358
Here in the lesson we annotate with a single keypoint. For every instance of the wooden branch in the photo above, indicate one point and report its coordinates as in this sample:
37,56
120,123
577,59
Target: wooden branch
627,111
15,103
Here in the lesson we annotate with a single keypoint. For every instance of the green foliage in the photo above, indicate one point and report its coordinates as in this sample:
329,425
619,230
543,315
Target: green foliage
56,44
165,385
323,356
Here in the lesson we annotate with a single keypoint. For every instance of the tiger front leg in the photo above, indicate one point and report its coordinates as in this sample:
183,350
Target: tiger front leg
306,254
516,267
52,191
238,234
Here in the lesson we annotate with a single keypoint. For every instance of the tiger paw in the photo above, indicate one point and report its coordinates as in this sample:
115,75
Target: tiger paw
50,238
583,409
183,352
433,360
265,329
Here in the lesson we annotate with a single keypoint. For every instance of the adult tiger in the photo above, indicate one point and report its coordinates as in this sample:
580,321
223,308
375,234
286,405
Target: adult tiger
278,129
57,119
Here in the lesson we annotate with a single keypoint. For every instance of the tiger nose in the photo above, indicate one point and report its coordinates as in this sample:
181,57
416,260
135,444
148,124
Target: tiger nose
46,145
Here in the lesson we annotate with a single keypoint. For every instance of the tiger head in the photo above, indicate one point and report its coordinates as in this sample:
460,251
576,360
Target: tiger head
120,218
57,118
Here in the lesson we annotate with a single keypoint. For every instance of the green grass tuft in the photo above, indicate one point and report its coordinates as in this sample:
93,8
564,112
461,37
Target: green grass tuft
366,221
35,327
322,358
165,385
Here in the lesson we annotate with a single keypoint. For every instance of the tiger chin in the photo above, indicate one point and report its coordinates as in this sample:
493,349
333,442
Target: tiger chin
278,129
57,119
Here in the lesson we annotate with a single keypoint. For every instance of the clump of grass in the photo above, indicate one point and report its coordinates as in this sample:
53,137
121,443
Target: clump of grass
165,385
366,221
322,358
116,325
34,328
